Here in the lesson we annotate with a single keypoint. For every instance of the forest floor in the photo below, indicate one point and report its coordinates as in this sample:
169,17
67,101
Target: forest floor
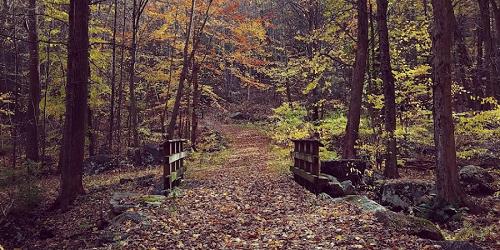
238,201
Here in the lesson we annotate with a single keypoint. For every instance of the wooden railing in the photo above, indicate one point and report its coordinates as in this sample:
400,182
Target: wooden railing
313,173
307,168
173,168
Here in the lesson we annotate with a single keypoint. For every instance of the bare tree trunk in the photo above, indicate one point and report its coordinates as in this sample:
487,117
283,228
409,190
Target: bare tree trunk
76,104
182,78
391,168
496,13
32,150
463,64
120,84
47,83
489,55
196,101
358,76
447,185
113,80
133,105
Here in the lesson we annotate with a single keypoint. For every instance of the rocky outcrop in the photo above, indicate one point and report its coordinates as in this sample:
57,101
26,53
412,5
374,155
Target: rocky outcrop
476,180
403,194
409,224
334,188
362,202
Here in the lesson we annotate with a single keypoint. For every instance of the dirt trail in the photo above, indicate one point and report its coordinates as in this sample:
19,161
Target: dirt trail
244,204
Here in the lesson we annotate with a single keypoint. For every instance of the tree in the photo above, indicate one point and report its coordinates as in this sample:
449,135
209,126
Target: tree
391,169
113,79
358,76
76,104
32,149
137,10
489,54
447,185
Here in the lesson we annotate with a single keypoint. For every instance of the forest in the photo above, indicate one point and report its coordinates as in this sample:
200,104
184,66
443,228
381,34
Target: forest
249,124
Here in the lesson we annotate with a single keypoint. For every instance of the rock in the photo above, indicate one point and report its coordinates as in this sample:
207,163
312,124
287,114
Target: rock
402,194
476,180
348,188
457,245
344,170
362,202
135,217
100,163
411,225
121,202
240,116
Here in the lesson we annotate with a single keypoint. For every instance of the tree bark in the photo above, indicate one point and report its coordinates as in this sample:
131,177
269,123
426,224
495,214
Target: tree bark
33,112
489,54
113,80
447,185
391,168
196,101
358,76
496,13
182,78
120,84
76,104
133,104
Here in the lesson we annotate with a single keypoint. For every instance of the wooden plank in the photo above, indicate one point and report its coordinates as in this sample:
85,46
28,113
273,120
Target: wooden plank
175,157
309,177
305,157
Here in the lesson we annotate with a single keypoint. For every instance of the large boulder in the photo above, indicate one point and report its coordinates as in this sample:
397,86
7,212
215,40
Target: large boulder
362,202
476,180
409,224
345,170
100,163
403,194
334,188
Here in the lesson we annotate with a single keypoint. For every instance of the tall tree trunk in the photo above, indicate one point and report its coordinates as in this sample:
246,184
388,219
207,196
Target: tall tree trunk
489,55
47,83
32,150
496,13
358,76
76,104
463,64
120,84
133,130
447,185
182,78
391,168
113,80
196,101
478,78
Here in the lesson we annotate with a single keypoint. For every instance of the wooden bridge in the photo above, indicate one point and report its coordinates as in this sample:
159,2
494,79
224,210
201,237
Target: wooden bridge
173,168
313,173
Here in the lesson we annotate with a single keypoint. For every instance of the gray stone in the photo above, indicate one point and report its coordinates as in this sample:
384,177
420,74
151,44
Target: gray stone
402,194
476,180
411,225
363,202
348,188
121,202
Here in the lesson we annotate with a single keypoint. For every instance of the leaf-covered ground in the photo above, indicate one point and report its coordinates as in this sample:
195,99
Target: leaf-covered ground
245,204
238,203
